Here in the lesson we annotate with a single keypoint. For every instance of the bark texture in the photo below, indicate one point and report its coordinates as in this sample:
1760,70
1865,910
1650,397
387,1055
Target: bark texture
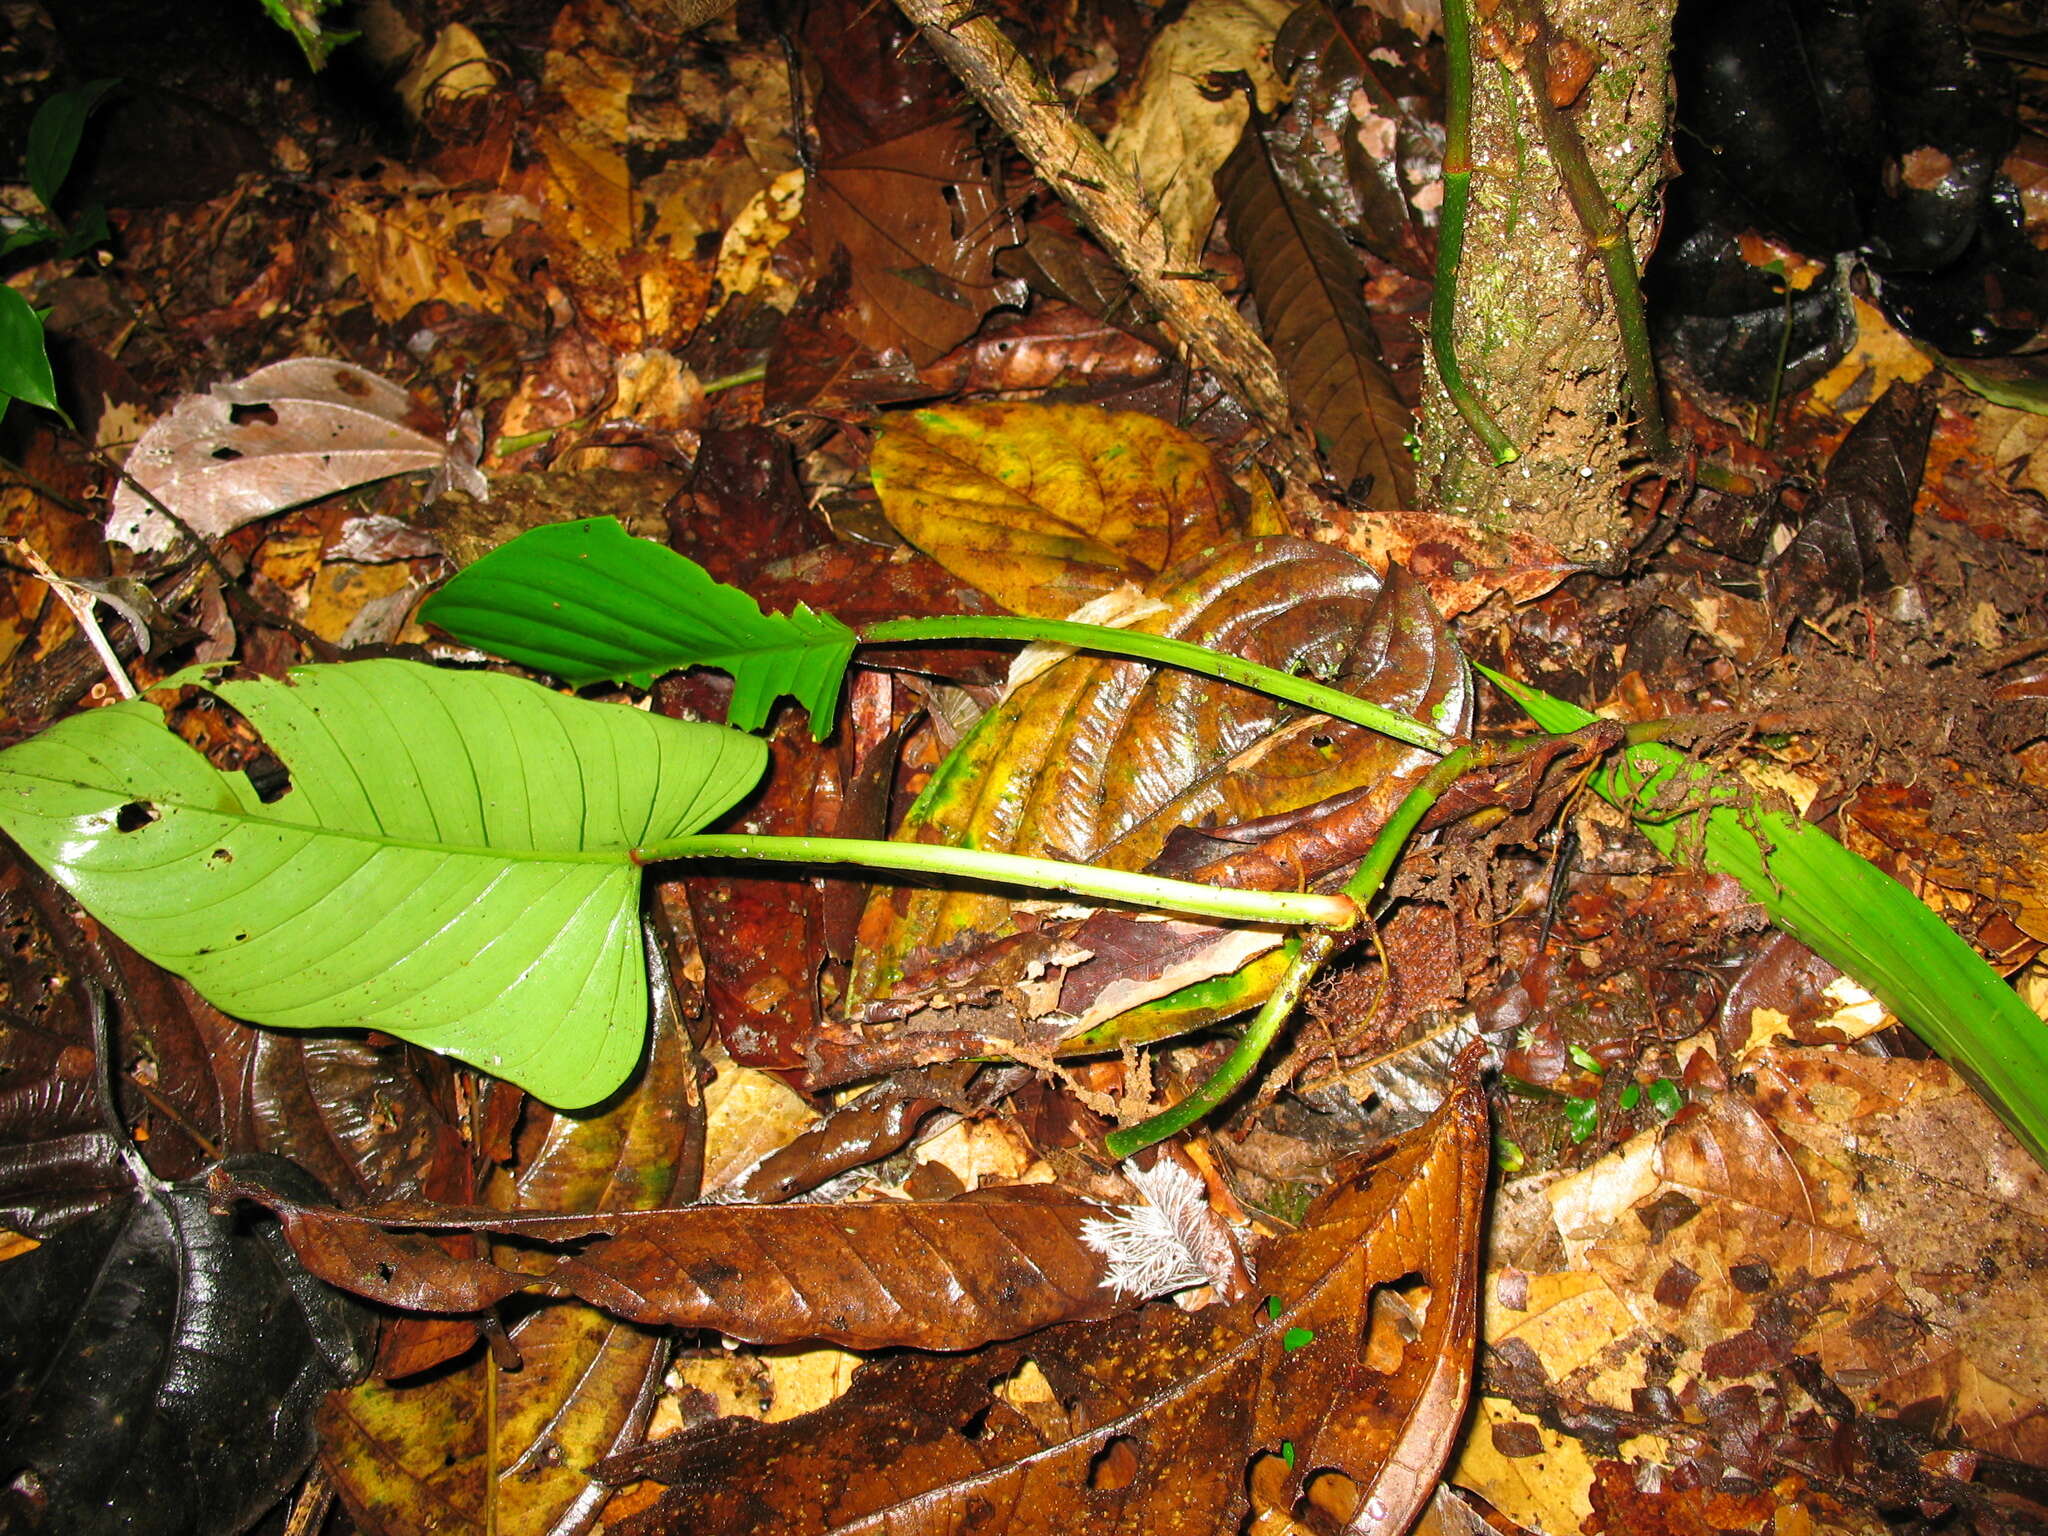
1535,325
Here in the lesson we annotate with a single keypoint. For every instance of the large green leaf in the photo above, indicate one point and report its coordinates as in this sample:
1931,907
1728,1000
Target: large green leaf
451,863
589,602
1839,905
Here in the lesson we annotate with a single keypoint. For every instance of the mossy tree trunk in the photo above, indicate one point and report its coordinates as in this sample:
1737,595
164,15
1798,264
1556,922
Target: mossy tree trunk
1535,324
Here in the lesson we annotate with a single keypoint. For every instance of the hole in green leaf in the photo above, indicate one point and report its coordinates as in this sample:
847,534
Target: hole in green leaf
135,815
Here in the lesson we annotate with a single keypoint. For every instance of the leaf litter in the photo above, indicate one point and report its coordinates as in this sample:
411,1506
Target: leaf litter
1761,1311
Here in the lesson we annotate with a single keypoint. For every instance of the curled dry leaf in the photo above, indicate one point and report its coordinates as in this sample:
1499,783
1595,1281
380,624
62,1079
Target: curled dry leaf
1160,1420
940,1275
288,433
1104,761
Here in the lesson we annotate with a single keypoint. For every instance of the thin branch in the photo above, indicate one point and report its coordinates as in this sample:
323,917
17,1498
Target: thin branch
1073,162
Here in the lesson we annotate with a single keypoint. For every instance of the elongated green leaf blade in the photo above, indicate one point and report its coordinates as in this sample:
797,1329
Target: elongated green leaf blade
589,602
24,357
54,135
450,864
1839,905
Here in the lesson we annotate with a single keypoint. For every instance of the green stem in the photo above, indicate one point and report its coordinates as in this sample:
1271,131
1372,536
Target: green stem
1288,907
725,381
1172,653
1604,231
1450,233
1307,955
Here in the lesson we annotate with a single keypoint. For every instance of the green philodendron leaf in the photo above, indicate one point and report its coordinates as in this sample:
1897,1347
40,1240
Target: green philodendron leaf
24,361
1839,905
590,603
451,863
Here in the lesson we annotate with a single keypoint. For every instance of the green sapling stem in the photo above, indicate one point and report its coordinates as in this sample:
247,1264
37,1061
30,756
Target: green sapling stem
1450,234
1305,959
1172,653
1291,908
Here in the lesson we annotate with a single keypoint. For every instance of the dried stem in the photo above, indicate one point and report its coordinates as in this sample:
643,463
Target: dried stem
1073,162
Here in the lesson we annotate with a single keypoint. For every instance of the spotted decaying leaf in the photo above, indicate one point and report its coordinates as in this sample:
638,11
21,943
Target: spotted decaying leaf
861,1275
1353,1351
1048,507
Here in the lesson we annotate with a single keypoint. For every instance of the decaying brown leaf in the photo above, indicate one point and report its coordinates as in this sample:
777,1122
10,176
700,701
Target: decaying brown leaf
287,433
1161,1420
472,1446
1311,292
861,1275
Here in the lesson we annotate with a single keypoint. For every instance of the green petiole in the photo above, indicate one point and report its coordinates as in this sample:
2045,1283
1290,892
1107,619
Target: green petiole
1279,907
1306,957
1159,649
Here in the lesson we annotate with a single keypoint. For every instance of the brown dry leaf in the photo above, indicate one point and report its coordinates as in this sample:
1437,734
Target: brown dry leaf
862,1275
1461,563
1310,287
414,1457
1162,1420
288,433
410,240
1847,1249
1104,761
1975,877
921,216
1172,133
1047,507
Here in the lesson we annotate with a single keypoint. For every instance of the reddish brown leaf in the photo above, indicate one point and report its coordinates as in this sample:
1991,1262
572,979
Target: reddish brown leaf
1311,292
944,1275
1158,1421
920,216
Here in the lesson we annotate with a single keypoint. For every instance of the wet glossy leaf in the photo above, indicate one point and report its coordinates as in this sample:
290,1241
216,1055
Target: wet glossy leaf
1311,292
1362,135
862,1275
1104,761
159,1368
587,601
450,863
412,1456
1044,507
1161,1421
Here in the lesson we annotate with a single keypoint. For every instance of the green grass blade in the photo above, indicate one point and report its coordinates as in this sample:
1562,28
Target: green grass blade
1841,906
451,863
590,603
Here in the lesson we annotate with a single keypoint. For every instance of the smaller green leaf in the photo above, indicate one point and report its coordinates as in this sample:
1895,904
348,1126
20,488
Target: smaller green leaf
1631,1096
24,360
590,603
1287,1452
1507,1155
54,135
1584,1058
1297,1338
1581,1116
1839,905
1273,1308
1666,1098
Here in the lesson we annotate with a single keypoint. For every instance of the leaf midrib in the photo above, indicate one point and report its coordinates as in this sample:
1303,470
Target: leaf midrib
622,855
